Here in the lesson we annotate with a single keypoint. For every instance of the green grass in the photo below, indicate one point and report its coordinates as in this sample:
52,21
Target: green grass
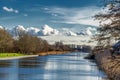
5,55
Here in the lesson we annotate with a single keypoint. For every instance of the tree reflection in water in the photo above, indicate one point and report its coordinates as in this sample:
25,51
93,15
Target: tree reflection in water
33,62
5,63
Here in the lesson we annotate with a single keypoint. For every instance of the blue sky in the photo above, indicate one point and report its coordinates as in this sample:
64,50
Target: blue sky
57,13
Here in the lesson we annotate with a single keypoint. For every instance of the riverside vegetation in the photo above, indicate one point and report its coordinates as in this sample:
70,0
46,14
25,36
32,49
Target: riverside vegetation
109,33
25,44
6,55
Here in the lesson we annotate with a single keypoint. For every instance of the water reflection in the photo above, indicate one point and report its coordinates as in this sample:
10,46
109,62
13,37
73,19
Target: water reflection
5,63
56,67
30,63
72,67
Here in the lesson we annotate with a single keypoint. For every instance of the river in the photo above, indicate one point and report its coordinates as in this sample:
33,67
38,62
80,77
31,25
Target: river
70,66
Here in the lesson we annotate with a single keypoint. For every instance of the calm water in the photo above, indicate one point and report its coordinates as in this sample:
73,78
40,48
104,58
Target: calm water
70,66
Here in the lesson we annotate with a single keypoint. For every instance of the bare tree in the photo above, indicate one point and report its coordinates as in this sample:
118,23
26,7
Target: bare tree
6,41
109,22
30,44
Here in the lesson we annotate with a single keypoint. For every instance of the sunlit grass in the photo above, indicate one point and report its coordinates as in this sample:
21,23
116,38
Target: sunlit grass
4,55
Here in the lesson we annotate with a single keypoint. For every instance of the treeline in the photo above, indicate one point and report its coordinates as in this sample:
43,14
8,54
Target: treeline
27,44
59,46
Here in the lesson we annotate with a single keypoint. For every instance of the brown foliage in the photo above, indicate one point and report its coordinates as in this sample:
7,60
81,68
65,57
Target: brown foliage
6,41
27,44
31,44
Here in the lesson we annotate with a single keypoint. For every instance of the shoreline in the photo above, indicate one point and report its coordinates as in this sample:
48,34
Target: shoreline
52,53
108,64
18,57
39,54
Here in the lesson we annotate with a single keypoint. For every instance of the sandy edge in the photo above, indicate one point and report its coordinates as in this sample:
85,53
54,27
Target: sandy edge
19,57
52,53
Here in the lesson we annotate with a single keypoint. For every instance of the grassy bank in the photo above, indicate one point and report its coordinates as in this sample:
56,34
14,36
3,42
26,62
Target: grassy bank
7,55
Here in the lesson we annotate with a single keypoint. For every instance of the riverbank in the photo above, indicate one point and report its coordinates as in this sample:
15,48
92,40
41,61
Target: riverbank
52,53
67,66
110,65
18,57
4,55
39,54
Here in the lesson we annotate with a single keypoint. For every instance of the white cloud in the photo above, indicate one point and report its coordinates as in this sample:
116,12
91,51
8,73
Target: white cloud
10,9
16,11
75,15
25,14
54,14
46,8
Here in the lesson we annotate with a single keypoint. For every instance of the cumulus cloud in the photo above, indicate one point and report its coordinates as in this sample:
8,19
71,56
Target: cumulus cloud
5,8
83,15
47,30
